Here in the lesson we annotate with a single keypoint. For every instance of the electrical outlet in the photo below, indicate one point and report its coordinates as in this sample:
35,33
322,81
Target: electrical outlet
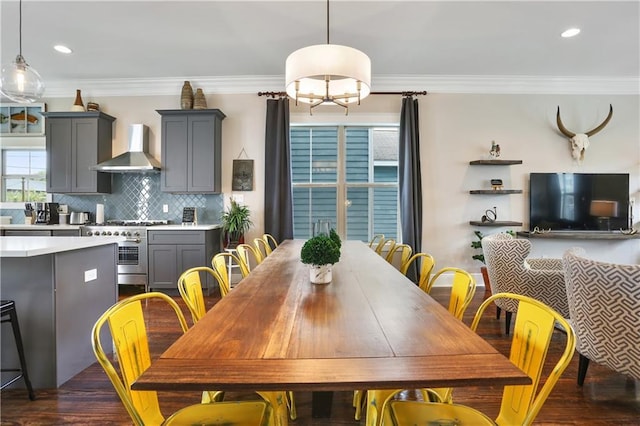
238,198
165,208
90,275
632,201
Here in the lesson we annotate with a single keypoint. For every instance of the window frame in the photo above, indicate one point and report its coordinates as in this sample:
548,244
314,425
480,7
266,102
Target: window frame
367,120
19,143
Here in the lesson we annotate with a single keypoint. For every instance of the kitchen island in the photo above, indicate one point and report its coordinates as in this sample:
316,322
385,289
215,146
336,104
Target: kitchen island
60,285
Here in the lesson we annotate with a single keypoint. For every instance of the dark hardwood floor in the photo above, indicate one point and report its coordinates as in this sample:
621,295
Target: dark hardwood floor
607,398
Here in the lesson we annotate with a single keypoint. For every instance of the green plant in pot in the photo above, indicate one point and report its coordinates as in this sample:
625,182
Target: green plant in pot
235,223
320,253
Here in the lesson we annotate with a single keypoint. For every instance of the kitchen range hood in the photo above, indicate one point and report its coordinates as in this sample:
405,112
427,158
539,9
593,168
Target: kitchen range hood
137,159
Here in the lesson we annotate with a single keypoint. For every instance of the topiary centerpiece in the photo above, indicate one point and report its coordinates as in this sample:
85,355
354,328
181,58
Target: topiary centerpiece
320,253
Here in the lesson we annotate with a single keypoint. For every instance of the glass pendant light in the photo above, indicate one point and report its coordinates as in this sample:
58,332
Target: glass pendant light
20,82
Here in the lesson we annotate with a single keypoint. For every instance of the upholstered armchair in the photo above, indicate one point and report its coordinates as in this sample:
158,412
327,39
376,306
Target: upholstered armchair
510,271
604,302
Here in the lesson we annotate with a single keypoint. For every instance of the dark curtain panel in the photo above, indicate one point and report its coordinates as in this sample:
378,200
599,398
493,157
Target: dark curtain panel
410,179
278,204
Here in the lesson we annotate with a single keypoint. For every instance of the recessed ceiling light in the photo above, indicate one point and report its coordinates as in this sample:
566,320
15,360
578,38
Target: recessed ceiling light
570,32
62,49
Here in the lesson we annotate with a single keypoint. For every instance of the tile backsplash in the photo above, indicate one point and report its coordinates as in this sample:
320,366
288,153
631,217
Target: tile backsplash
138,196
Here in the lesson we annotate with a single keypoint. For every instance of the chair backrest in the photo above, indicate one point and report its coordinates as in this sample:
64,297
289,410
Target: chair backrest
386,247
129,334
604,304
377,240
399,255
535,324
221,271
249,255
272,244
428,262
463,288
509,271
190,288
262,247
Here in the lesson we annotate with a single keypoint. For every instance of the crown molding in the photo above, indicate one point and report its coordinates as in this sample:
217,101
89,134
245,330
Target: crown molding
463,84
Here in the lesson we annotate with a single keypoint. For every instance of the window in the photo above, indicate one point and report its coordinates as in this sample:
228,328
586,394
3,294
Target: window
23,173
347,174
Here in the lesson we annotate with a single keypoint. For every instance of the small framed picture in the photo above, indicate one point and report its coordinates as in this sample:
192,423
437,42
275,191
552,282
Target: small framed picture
242,175
22,119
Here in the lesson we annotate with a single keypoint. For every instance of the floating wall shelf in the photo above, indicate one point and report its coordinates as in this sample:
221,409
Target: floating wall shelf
495,223
495,191
494,162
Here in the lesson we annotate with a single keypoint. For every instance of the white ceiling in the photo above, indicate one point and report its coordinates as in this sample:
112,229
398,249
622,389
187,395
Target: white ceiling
413,45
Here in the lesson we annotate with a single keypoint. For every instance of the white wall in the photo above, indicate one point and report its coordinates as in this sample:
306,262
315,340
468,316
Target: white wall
455,129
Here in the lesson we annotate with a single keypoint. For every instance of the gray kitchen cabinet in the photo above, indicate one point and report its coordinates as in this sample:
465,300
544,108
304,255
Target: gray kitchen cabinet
76,141
191,151
173,252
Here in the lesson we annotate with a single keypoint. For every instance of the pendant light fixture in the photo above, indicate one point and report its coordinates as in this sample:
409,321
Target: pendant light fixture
328,74
19,82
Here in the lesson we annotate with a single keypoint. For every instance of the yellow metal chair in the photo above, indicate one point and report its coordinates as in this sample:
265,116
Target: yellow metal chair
221,272
191,292
128,331
399,255
249,255
386,247
535,324
428,262
272,244
463,288
376,241
262,247
190,288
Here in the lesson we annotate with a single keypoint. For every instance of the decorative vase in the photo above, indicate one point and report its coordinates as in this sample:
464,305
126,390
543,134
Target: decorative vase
199,101
78,106
320,274
186,97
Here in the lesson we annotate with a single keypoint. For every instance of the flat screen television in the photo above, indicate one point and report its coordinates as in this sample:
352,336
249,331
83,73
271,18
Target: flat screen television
579,201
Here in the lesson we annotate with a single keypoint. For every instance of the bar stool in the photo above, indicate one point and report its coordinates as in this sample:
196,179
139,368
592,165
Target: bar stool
8,309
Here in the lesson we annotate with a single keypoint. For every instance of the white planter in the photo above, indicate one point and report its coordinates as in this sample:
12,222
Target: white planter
320,274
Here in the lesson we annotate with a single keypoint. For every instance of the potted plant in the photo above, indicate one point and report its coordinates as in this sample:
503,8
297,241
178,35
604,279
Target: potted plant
235,223
320,253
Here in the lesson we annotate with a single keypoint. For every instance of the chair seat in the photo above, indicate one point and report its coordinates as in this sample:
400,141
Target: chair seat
410,412
247,413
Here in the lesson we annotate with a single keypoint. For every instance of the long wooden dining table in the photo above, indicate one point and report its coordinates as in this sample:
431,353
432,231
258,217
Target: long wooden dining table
370,328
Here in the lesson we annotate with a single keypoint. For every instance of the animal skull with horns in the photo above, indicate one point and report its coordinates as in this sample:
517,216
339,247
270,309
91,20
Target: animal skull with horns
580,141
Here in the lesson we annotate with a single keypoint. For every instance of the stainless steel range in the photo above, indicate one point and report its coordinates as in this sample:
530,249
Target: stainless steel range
132,254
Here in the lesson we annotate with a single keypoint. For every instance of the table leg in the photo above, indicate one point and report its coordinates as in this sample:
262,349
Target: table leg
321,404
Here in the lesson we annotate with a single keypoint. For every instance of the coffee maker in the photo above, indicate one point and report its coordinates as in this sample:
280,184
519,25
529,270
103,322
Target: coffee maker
47,213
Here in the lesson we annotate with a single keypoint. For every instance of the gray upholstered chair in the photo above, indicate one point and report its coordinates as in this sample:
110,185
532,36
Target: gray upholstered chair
510,271
604,302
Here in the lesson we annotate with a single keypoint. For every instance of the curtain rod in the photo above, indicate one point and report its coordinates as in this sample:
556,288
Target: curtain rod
272,94
404,93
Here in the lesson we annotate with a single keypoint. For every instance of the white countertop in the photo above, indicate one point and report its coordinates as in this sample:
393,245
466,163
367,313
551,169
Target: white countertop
37,246
179,227
173,227
23,227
